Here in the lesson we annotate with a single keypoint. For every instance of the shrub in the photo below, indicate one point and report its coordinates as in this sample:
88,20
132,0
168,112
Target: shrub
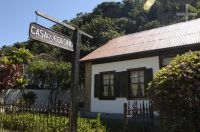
175,91
29,98
46,123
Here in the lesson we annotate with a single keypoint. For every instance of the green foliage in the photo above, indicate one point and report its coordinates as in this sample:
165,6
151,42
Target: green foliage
102,29
93,123
8,50
37,47
29,98
175,90
22,55
6,60
52,74
128,26
48,123
21,82
109,9
17,56
150,25
12,65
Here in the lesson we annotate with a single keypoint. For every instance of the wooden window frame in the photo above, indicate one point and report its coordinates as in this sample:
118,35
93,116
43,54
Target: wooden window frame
121,83
102,86
162,57
129,82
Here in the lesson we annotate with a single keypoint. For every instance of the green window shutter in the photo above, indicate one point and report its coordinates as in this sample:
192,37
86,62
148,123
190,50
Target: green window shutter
124,79
148,76
117,83
97,85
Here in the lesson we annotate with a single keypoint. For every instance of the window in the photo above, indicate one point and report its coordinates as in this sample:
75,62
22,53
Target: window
165,60
137,84
107,85
131,83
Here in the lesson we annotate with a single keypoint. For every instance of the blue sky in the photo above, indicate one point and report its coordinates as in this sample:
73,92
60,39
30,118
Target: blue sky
16,15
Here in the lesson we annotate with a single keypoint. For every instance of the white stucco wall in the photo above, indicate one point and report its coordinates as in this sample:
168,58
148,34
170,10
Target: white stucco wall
116,106
13,95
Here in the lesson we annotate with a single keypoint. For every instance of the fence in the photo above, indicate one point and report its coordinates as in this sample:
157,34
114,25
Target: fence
139,117
36,118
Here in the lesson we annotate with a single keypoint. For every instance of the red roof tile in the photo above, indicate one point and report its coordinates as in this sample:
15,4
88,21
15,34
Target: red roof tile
179,34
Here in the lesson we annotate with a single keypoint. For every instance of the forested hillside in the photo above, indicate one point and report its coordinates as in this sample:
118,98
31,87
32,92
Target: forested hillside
112,19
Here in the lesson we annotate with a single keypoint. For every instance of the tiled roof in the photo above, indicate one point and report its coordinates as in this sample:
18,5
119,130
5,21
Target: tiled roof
185,33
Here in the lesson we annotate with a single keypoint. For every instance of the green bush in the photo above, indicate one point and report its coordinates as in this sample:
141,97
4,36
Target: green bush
29,98
47,123
175,91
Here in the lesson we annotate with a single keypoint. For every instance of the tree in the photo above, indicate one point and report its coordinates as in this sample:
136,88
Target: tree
11,67
150,25
37,47
126,25
102,29
109,9
50,74
175,91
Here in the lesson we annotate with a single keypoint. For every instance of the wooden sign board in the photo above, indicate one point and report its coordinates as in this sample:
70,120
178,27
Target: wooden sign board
43,34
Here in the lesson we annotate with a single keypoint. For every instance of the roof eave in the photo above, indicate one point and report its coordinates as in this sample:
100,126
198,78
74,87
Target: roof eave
143,54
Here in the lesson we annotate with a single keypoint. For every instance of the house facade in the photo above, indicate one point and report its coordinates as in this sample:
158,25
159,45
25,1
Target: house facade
120,70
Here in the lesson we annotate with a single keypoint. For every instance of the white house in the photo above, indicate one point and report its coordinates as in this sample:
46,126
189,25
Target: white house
121,69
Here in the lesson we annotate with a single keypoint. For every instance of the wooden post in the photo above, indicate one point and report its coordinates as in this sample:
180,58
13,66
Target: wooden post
75,81
125,117
75,67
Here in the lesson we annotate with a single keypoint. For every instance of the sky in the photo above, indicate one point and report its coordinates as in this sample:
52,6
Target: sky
16,15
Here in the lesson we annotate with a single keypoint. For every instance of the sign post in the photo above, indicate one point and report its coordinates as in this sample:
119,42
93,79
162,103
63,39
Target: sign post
40,33
37,32
75,80
39,13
